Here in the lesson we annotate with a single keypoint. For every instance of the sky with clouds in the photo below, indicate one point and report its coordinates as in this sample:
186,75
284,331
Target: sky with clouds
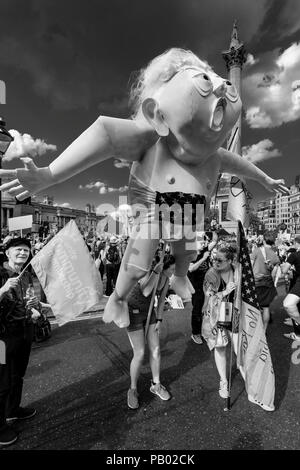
65,62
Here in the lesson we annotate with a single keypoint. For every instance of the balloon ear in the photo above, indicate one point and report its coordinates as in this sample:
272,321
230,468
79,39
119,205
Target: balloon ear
154,117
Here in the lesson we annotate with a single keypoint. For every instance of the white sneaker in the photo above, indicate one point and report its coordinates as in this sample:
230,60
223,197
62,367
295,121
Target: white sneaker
197,339
132,399
223,389
264,407
161,391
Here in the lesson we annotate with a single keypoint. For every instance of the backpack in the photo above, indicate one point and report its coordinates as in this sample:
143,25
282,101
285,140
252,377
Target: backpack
113,255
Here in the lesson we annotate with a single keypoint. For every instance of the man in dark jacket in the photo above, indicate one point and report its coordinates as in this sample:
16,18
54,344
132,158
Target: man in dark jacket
112,257
196,274
16,334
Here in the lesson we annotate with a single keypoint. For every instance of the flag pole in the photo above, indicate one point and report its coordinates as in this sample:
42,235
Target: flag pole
228,399
153,295
229,146
22,272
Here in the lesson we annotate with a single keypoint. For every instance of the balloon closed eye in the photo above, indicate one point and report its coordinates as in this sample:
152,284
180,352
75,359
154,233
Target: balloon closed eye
231,91
203,83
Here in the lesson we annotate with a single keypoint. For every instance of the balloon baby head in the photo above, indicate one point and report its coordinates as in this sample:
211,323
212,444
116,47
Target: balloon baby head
186,103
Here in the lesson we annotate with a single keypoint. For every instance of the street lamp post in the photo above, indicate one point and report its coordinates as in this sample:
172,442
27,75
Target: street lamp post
5,141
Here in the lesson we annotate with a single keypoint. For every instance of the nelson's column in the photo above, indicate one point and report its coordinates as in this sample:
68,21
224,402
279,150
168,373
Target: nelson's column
234,58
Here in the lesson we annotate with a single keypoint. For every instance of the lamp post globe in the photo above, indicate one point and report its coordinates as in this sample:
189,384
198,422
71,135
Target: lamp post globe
5,140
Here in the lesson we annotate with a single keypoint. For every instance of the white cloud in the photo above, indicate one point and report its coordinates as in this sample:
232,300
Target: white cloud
25,145
263,150
251,60
258,118
97,185
122,164
271,94
103,188
63,204
290,57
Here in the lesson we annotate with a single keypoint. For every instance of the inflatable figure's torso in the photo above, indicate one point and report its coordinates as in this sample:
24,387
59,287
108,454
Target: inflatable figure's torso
160,171
169,194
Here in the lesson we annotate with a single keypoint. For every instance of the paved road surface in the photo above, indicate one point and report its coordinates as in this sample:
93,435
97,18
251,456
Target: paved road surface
78,382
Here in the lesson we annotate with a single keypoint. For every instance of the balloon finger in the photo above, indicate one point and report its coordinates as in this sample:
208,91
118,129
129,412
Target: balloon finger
283,188
23,195
8,173
28,162
16,190
11,184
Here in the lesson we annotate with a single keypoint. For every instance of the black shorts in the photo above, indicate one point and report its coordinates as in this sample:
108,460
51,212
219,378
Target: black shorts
138,319
265,295
296,288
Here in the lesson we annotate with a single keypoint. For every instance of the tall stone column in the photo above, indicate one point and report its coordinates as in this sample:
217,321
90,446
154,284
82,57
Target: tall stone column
234,59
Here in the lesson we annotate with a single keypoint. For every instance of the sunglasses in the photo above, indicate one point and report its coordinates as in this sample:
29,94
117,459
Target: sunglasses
218,260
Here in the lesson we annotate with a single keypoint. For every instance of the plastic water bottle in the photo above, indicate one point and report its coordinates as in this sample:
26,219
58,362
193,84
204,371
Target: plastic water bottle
29,295
29,292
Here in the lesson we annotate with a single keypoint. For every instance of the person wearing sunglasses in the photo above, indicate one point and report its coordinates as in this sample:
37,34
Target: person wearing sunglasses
196,274
139,302
219,286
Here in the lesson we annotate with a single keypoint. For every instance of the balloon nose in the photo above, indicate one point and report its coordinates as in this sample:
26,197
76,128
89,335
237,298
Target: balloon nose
220,90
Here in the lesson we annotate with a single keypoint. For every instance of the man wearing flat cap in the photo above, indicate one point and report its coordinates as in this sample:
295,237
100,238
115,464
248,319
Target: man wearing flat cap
16,334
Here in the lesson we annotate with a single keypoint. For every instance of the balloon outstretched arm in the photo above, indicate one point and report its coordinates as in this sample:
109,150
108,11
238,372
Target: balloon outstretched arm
236,165
105,138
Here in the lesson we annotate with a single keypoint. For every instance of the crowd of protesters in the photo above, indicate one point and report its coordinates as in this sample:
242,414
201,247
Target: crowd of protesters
211,271
212,277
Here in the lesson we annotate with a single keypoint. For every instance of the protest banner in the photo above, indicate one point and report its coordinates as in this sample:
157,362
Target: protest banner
68,275
19,223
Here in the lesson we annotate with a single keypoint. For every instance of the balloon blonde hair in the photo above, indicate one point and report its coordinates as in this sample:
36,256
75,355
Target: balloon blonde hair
159,71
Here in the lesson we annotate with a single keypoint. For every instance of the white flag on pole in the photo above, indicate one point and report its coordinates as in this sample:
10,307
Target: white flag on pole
238,204
68,274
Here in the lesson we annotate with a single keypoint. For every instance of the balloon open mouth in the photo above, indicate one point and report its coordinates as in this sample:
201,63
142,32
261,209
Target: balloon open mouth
218,115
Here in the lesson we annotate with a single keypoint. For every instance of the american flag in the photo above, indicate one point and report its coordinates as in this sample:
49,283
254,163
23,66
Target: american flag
248,284
253,355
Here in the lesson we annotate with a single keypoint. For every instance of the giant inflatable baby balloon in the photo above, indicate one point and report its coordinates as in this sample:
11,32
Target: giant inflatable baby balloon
183,112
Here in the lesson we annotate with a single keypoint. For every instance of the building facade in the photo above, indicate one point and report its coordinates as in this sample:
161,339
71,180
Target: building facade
266,211
294,208
282,209
47,216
